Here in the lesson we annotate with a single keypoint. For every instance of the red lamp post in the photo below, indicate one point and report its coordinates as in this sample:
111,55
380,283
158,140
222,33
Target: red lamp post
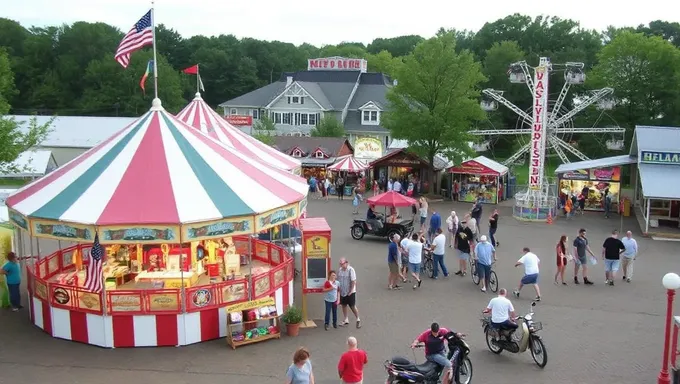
671,282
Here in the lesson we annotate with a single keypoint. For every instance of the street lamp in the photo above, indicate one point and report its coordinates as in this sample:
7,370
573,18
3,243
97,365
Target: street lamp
671,281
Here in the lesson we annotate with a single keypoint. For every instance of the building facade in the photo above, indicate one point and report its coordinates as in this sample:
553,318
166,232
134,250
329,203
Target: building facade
334,86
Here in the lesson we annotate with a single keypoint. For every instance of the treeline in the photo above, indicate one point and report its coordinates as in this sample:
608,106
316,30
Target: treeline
69,69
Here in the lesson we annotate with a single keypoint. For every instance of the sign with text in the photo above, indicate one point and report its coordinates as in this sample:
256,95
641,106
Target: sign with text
316,260
337,63
579,174
239,120
368,148
606,174
538,131
653,157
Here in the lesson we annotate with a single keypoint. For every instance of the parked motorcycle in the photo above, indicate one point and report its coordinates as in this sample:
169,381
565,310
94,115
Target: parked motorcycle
401,370
518,340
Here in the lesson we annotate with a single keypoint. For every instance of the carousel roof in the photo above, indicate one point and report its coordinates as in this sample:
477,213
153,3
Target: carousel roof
349,164
158,170
199,115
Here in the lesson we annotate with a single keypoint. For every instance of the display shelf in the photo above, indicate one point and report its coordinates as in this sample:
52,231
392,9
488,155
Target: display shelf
244,325
255,321
235,344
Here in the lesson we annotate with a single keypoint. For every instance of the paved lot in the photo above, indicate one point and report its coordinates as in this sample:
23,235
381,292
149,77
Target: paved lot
591,333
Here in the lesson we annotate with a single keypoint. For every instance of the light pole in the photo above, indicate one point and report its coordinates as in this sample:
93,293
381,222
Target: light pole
671,281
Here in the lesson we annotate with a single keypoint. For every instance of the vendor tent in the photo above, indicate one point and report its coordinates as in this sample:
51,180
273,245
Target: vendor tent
159,171
199,115
349,164
480,165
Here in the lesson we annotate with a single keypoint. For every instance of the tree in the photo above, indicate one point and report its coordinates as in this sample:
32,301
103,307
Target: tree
15,138
436,99
329,126
264,130
383,62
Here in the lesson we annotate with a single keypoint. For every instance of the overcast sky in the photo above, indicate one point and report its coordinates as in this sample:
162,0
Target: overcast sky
332,21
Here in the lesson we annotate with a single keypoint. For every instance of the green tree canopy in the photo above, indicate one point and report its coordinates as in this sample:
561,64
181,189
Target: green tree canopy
264,130
329,126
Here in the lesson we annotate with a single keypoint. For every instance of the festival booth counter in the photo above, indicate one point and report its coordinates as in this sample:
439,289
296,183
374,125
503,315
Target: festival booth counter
591,181
149,283
352,170
479,177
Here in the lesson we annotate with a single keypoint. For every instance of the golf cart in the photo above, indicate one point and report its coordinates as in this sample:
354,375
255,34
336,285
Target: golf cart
381,227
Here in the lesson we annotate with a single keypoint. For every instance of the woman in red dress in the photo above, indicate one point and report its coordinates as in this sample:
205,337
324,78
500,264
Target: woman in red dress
561,252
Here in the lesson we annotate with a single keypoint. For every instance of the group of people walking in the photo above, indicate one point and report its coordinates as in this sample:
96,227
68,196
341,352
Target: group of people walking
350,365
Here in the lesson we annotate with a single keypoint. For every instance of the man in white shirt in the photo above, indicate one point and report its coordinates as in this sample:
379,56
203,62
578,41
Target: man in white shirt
629,255
502,311
396,187
531,263
415,257
404,258
438,250
347,283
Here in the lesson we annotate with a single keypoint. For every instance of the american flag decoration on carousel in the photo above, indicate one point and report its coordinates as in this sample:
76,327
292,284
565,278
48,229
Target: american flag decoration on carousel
139,36
93,279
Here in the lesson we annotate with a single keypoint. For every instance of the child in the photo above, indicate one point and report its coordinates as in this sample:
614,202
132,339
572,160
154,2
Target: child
357,199
331,299
568,207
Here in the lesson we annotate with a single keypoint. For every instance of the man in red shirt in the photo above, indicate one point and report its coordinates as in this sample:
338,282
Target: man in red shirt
351,364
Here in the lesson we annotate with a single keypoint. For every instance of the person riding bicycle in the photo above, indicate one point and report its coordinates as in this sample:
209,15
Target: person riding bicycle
372,219
484,256
502,312
435,349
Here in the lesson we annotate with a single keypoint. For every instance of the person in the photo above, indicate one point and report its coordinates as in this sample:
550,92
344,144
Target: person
472,224
433,339
493,227
12,273
456,189
629,256
404,259
390,185
312,186
423,208
463,243
358,198
438,251
375,188
502,311
531,263
351,364
330,287
485,255
340,187
607,203
415,257
327,187
561,252
394,215
580,248
585,193
396,187
300,372
612,248
476,213
347,278
452,226
435,224
568,208
393,261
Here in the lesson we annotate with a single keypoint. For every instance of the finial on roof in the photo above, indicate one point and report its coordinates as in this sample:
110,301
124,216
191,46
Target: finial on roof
197,95
156,105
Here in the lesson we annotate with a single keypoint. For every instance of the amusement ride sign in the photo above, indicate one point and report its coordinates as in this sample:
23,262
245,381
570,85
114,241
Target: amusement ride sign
654,157
538,135
337,63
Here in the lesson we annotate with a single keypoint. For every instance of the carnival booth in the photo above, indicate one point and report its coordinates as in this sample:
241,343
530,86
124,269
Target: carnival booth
479,177
352,170
591,183
199,115
163,217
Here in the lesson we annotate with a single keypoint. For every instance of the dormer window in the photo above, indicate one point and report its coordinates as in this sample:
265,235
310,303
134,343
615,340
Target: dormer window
319,154
297,153
296,100
370,117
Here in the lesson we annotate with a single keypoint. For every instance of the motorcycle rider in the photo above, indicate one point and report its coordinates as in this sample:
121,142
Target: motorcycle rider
372,219
435,348
502,312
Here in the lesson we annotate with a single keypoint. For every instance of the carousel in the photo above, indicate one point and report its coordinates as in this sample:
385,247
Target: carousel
199,115
162,218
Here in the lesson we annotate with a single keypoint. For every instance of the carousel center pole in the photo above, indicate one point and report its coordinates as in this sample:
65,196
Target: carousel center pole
182,293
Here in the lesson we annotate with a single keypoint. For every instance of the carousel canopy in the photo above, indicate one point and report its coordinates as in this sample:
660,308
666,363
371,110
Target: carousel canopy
199,115
349,164
160,171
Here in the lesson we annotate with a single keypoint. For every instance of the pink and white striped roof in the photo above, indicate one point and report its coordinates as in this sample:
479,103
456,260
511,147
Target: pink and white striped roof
199,115
349,164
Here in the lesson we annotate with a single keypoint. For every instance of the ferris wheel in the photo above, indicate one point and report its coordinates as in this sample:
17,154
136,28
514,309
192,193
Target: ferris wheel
558,127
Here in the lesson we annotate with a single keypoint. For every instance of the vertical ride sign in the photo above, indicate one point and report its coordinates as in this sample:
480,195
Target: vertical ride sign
540,119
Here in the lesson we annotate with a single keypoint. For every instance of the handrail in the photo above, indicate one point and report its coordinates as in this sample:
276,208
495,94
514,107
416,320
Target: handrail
160,301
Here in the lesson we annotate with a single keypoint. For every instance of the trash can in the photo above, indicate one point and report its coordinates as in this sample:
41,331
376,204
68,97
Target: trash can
626,207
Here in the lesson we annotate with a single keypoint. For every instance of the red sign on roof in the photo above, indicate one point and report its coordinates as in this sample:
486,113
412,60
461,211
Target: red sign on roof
472,167
239,120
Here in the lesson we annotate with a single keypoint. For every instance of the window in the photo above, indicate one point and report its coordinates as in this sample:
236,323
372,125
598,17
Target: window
312,119
286,118
319,155
367,115
255,113
276,117
233,111
297,153
374,116
296,100
370,117
304,119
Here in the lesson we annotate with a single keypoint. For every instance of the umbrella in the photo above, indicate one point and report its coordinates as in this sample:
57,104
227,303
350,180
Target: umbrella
199,115
349,164
391,199
160,171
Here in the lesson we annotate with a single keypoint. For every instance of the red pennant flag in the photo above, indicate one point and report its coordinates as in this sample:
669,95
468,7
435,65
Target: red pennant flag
193,70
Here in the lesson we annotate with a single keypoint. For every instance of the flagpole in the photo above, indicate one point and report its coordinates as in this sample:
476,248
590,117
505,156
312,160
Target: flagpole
155,62
198,79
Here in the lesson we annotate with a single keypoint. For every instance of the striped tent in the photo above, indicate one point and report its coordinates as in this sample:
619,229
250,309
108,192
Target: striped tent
160,171
349,164
199,115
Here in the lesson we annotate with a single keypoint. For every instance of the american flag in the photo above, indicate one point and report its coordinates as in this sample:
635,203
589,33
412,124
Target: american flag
93,279
139,36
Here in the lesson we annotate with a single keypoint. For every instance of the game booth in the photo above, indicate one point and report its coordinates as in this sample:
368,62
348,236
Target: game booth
595,181
352,170
480,177
164,221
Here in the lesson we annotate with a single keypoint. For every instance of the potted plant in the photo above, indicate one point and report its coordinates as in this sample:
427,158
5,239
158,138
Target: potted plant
292,317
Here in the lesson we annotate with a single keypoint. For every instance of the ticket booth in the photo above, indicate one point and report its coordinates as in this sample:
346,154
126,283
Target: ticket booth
316,259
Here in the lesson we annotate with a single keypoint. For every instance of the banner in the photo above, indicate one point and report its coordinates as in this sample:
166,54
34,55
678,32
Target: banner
6,235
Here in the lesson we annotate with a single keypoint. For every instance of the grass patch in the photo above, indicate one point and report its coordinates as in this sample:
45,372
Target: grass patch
13,183
521,172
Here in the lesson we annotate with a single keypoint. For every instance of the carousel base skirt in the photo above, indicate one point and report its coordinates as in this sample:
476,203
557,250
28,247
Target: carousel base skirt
123,331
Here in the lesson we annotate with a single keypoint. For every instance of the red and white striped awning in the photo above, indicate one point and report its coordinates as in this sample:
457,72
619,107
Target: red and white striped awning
199,115
348,164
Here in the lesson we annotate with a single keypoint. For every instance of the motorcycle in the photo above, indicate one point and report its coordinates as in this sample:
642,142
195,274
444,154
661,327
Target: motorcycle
401,370
517,340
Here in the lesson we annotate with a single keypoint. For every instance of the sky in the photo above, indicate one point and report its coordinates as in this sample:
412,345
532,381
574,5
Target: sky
321,22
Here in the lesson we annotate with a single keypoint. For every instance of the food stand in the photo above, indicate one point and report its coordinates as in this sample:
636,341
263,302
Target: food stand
173,258
352,170
480,177
596,180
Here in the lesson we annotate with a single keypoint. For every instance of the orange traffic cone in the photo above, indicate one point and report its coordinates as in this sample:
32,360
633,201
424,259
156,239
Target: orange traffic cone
550,220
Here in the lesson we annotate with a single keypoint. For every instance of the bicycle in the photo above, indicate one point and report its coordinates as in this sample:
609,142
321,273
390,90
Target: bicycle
428,263
493,278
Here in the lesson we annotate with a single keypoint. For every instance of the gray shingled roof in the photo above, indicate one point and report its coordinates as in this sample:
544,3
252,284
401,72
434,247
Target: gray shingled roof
257,98
76,131
648,138
370,92
307,144
337,93
353,124
318,94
